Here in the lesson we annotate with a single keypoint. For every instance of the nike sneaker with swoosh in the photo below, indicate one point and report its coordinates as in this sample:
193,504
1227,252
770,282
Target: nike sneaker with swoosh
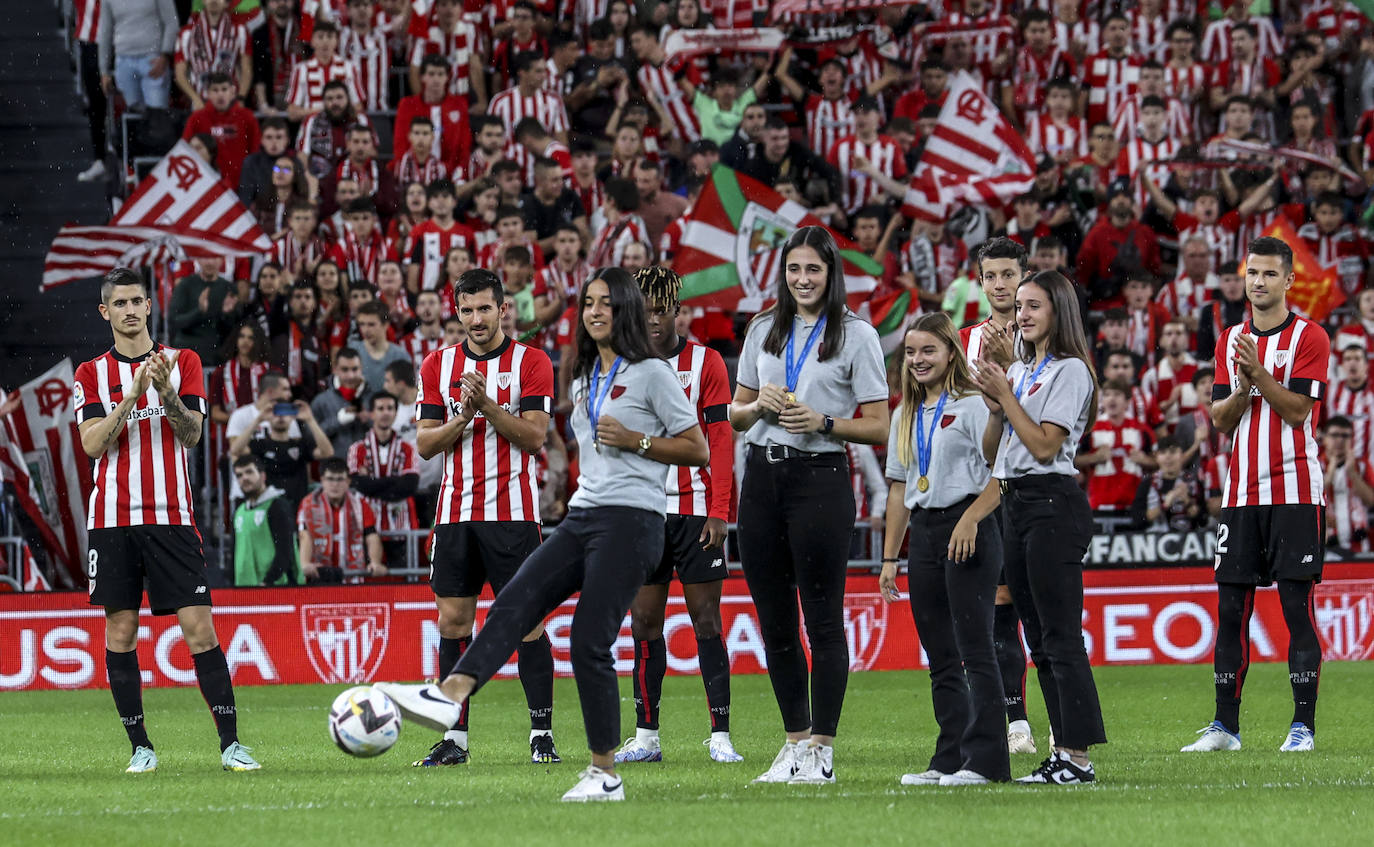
144,760
817,766
424,704
785,763
1059,769
445,752
596,786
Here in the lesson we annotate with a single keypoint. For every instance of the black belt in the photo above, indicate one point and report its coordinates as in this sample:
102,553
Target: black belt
775,453
1040,481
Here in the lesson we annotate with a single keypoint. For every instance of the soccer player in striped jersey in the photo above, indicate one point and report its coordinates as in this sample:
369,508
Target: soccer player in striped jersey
698,507
485,405
365,46
1271,377
140,407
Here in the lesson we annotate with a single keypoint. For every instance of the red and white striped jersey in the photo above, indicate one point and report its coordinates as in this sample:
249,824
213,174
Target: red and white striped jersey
1357,404
1190,84
1334,25
1272,463
1349,516
1043,135
1112,483
660,83
592,196
554,277
367,176
827,121
294,256
991,38
1109,82
369,457
486,477
308,79
456,46
1221,236
1158,384
1216,41
87,24
429,244
609,244
971,339
417,346
511,107
370,56
1032,73
232,385
1247,78
208,49
704,492
859,189
1135,156
1083,31
734,14
359,260
1147,35
407,170
1183,296
1178,125
142,479
1344,250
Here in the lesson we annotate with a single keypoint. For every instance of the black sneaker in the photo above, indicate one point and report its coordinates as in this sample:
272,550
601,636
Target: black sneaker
446,752
1059,769
542,752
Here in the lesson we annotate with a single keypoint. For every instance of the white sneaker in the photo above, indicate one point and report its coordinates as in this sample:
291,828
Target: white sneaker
93,173
964,777
596,786
144,760
639,750
785,763
817,766
424,704
930,777
1214,737
1300,739
721,748
1020,739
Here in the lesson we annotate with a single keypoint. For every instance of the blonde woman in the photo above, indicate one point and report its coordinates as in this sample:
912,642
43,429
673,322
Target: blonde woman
955,551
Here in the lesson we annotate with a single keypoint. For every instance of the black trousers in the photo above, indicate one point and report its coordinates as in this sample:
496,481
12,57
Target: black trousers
1047,525
605,553
89,66
795,519
952,603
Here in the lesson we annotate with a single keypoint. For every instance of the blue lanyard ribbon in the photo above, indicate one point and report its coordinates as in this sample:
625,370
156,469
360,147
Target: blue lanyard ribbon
794,365
601,389
924,441
1029,377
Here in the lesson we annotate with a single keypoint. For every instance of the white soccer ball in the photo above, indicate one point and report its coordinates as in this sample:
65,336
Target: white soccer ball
364,722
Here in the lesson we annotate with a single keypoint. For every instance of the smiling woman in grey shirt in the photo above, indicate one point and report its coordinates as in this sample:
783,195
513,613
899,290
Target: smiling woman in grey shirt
632,421
808,363
941,484
1040,408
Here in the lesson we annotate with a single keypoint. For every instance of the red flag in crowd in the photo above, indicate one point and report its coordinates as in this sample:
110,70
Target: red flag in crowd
973,157
181,209
40,459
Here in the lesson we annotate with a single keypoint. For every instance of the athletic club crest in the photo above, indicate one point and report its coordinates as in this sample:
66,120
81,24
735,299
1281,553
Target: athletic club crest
865,627
503,381
1280,358
685,379
345,641
1344,610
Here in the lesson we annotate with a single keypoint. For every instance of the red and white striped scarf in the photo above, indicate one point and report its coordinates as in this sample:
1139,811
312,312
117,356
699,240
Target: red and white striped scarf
366,179
234,374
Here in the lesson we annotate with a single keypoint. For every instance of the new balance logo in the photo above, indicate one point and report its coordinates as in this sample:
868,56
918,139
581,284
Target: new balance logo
718,563
1307,560
200,589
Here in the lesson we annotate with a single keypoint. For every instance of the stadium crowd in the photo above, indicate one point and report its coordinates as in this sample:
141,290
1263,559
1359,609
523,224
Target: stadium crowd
388,146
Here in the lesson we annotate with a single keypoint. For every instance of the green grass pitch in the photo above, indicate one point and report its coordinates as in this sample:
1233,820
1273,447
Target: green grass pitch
62,755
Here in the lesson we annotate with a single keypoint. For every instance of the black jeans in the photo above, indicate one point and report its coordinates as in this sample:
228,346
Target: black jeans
1047,525
795,519
89,66
605,553
952,603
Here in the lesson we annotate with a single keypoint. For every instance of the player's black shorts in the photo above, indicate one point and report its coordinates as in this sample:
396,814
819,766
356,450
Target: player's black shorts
464,556
1257,545
682,552
168,560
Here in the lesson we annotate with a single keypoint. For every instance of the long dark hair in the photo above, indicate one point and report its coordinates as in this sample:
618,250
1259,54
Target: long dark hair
629,330
784,309
1067,339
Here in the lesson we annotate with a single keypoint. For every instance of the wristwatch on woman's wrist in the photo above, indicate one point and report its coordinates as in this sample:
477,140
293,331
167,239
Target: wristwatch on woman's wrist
644,445
827,425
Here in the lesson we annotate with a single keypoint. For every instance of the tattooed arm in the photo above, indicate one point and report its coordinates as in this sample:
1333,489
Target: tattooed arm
185,423
100,434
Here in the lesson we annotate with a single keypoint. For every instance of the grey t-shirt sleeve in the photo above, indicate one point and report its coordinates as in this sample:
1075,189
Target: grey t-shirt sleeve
893,468
669,401
747,369
868,371
1069,391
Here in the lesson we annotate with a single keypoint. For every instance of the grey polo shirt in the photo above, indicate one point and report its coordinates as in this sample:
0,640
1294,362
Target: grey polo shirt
1061,395
853,376
957,467
645,397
